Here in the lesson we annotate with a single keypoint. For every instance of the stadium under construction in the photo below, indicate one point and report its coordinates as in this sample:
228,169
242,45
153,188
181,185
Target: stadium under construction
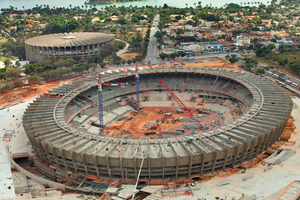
169,135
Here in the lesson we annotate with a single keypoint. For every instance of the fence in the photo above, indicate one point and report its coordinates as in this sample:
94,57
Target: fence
223,183
248,176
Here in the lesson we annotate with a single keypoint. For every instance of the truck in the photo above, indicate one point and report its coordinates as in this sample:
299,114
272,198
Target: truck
281,79
179,110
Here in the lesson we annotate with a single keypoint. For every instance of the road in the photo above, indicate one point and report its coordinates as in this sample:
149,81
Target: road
152,48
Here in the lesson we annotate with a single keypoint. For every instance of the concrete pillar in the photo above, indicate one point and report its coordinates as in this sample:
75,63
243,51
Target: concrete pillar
42,57
202,163
226,157
216,153
237,150
252,143
107,164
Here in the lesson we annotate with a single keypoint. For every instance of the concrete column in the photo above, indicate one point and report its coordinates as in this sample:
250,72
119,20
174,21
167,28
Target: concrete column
82,51
43,53
63,158
202,163
245,149
96,165
216,153
253,143
259,143
226,158
163,161
107,164
237,150
74,160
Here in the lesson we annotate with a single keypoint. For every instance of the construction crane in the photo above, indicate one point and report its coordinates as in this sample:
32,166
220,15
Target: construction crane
100,99
208,95
137,84
179,102
159,130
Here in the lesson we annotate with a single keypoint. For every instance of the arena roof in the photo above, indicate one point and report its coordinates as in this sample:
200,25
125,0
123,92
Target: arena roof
69,39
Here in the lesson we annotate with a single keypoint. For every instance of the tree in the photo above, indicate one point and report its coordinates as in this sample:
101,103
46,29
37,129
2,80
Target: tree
233,58
7,62
123,62
129,62
259,71
102,64
162,56
118,62
11,73
281,74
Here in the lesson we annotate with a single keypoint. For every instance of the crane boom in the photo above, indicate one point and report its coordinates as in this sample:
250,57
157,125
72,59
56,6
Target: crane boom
179,102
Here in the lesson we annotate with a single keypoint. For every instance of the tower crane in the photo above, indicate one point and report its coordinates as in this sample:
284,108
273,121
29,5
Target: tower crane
209,93
137,84
100,99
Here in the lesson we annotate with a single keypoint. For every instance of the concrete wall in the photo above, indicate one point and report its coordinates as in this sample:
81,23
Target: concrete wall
41,180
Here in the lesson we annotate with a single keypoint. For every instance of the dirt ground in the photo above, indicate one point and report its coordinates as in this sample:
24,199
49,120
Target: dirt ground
2,40
211,62
127,56
135,126
19,94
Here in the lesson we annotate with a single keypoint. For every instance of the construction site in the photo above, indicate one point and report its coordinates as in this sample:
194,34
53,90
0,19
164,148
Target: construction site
156,130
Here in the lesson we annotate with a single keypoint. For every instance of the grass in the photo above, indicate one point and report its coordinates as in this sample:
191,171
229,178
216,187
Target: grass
2,58
267,62
2,40
274,64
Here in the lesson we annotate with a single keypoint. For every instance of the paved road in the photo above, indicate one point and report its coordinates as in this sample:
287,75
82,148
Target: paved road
124,49
152,48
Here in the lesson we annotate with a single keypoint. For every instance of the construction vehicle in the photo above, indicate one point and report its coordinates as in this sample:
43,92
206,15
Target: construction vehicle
134,113
201,110
179,110
154,127
168,114
160,111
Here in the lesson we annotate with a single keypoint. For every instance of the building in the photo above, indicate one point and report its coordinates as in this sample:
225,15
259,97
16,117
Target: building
65,146
241,40
66,44
214,48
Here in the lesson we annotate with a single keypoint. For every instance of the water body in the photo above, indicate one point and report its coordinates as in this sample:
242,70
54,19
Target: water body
65,3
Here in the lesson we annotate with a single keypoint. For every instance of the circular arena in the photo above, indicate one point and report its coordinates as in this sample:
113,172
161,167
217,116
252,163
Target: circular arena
82,44
244,115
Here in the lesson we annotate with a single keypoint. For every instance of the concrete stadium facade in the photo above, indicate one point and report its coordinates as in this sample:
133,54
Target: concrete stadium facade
71,149
83,44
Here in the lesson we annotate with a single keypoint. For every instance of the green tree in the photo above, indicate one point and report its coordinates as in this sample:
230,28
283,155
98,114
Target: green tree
163,56
259,71
233,58
102,64
7,62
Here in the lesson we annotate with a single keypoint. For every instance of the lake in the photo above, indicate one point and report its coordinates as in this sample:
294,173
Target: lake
65,3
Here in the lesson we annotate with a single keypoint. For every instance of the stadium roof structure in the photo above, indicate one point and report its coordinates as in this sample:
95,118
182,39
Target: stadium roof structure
69,39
